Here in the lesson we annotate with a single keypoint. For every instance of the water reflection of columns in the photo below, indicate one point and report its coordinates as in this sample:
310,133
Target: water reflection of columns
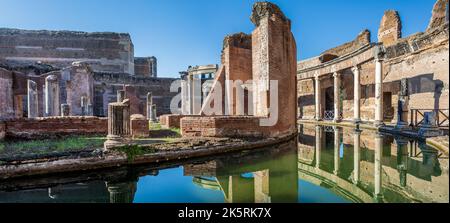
318,144
356,155
378,167
337,144
121,192
402,159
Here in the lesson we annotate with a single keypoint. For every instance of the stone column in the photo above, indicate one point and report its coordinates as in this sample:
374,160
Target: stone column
121,192
153,114
149,105
337,97
52,103
337,144
118,124
318,144
356,155
33,110
65,110
317,97
190,95
378,194
84,103
378,92
120,95
184,96
356,95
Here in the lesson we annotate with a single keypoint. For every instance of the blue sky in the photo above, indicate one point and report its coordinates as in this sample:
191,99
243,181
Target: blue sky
190,32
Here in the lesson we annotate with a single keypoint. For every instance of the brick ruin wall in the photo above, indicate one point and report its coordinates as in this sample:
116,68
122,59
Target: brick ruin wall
106,86
145,66
54,126
421,58
6,94
108,52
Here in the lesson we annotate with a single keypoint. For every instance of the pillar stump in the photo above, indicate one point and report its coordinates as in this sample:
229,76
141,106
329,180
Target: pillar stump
52,104
118,124
32,98
65,110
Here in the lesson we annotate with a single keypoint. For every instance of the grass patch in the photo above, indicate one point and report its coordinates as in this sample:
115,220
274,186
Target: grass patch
131,151
70,144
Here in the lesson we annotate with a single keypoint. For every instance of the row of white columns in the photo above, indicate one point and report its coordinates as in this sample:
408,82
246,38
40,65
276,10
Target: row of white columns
378,119
357,157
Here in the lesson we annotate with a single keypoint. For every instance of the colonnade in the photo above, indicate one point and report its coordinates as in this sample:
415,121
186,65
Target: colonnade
378,117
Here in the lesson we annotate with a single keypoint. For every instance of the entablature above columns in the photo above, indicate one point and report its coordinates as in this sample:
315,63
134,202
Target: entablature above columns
349,61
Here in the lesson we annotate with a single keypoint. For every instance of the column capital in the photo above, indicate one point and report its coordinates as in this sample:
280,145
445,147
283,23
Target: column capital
336,74
355,68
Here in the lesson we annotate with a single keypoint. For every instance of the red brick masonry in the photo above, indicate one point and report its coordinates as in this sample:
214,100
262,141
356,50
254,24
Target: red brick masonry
229,126
49,126
172,120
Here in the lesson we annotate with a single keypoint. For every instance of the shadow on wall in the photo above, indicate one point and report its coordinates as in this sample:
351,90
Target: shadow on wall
425,84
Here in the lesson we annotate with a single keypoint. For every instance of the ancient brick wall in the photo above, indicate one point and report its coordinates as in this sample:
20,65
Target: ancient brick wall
2,130
6,94
106,86
306,100
390,28
145,66
173,120
112,52
80,84
426,68
420,59
139,126
56,126
222,126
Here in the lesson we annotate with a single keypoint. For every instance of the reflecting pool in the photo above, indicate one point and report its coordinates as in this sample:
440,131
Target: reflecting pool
323,165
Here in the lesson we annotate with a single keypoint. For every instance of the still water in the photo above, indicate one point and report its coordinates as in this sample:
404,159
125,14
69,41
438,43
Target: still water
323,165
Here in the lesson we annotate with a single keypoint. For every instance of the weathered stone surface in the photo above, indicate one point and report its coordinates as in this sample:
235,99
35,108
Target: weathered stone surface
361,40
79,88
6,94
110,52
145,66
106,86
118,124
139,126
390,29
32,97
421,58
439,14
52,102
65,110
45,127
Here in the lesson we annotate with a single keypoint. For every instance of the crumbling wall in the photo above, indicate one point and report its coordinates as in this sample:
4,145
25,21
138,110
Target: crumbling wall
106,86
237,61
80,83
145,66
6,94
361,40
55,126
112,52
390,29
439,14
425,66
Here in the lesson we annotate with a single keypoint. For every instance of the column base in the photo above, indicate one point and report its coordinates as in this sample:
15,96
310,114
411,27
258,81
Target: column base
114,141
